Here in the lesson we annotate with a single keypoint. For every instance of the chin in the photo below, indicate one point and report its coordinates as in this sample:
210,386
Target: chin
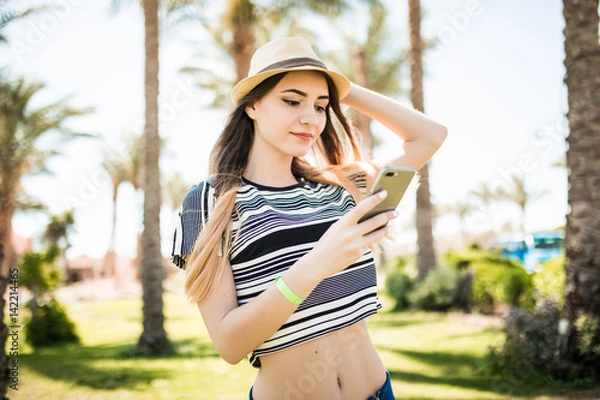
299,152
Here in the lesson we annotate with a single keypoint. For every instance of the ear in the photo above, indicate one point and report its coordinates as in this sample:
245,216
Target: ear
251,110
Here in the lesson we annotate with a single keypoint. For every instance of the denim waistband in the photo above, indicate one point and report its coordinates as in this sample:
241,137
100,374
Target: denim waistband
386,392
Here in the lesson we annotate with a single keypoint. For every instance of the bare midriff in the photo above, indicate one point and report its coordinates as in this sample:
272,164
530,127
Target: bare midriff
339,365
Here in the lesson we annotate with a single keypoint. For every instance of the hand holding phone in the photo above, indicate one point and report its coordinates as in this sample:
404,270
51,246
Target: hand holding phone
393,179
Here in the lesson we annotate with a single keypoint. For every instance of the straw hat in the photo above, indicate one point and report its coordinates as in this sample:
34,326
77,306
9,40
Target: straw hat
283,55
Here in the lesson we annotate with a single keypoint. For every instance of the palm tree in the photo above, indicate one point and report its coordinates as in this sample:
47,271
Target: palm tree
462,209
122,168
371,64
519,195
116,167
486,196
240,19
20,130
175,189
582,62
57,229
242,15
426,258
220,80
154,337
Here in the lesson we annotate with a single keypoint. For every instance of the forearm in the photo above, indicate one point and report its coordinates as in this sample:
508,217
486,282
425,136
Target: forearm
246,327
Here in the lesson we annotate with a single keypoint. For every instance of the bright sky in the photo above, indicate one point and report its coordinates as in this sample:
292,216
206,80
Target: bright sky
495,80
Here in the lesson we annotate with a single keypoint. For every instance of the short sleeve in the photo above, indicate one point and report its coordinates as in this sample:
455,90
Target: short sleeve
196,208
363,175
360,180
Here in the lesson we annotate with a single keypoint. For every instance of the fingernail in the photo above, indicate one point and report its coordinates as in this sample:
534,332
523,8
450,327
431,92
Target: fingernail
395,213
383,194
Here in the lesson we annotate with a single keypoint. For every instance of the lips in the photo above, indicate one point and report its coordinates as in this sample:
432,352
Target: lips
303,135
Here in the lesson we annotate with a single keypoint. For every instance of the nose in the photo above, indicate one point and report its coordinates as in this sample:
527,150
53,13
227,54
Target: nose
309,116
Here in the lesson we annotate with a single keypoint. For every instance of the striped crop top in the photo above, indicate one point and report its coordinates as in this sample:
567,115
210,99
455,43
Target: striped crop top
272,229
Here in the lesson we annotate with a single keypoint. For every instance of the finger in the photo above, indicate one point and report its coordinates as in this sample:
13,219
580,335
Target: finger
366,205
378,221
375,235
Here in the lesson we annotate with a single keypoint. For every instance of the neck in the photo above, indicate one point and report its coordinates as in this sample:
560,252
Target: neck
270,172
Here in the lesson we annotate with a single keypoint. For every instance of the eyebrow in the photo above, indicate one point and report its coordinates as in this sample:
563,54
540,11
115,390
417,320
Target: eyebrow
301,93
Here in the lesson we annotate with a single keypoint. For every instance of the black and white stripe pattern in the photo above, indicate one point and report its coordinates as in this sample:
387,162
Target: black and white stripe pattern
195,211
272,229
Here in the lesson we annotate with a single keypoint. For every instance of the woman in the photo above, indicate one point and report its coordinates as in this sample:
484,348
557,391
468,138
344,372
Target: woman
275,257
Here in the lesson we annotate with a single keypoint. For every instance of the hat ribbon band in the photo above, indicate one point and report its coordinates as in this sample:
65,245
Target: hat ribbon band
294,62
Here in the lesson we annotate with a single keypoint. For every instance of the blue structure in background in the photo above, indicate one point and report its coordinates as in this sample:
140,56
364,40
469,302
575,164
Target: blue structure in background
531,249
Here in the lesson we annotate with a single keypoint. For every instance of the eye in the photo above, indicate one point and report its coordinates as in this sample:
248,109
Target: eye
321,109
291,102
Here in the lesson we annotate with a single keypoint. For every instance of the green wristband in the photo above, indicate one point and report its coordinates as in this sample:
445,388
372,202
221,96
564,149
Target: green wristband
287,292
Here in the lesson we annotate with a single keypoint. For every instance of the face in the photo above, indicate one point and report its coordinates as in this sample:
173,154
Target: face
289,119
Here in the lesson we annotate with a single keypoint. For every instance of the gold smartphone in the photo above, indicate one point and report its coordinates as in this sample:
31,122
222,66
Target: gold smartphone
395,180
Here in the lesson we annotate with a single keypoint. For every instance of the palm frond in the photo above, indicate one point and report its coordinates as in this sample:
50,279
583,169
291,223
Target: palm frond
8,16
26,203
117,5
22,127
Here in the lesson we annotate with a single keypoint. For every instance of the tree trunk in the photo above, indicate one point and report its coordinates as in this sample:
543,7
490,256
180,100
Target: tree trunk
426,260
7,209
4,367
154,337
241,17
137,262
582,62
109,267
362,121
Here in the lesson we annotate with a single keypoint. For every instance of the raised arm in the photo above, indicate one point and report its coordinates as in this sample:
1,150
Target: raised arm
421,135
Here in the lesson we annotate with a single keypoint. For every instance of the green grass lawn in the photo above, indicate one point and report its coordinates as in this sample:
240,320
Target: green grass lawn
429,355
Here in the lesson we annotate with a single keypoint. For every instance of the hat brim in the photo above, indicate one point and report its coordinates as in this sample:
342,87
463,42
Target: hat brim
244,86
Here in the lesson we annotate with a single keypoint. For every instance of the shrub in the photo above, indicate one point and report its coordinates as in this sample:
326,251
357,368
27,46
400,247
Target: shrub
549,282
50,326
398,284
588,328
462,260
495,280
437,291
531,340
463,299
502,283
38,273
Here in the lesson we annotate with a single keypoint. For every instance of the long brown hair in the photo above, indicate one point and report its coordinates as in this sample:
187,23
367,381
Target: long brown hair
229,159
